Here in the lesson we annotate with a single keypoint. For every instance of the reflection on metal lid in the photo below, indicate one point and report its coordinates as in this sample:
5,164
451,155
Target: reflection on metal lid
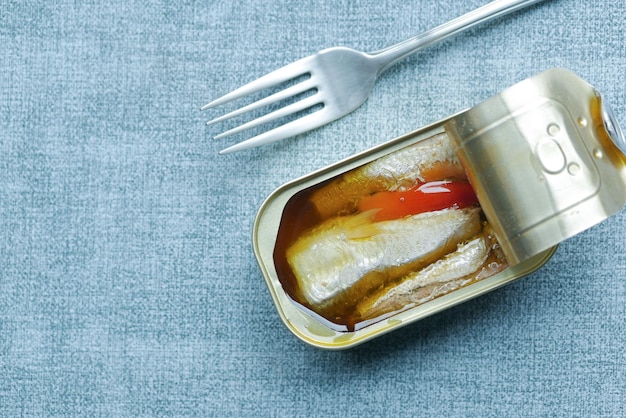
538,157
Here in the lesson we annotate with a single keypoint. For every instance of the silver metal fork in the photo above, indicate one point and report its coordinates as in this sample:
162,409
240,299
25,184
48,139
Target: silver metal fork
336,81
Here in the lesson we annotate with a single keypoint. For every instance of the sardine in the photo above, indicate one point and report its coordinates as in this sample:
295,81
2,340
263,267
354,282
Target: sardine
345,258
428,160
455,270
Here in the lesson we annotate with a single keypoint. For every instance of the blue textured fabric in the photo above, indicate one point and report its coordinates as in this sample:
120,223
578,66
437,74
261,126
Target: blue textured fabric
128,285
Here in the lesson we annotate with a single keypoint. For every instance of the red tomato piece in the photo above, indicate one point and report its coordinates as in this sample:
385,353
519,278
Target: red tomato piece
425,197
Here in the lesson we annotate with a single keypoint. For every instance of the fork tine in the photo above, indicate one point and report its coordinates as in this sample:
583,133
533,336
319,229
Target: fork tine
283,94
285,111
293,128
286,73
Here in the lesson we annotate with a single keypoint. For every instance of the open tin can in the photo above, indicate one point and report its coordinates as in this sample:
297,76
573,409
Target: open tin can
545,160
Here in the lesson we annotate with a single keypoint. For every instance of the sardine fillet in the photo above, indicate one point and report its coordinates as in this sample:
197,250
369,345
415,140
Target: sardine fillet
428,160
440,277
348,257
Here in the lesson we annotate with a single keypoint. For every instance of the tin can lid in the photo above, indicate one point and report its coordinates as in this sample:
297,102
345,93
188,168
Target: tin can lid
546,158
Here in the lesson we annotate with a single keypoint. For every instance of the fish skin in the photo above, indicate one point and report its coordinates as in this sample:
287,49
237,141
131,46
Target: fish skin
431,159
442,276
346,258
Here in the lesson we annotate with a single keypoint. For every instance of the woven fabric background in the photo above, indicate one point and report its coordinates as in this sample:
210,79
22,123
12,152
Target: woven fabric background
128,285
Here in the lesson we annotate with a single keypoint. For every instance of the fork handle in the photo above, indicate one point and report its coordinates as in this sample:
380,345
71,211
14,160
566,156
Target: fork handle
497,8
